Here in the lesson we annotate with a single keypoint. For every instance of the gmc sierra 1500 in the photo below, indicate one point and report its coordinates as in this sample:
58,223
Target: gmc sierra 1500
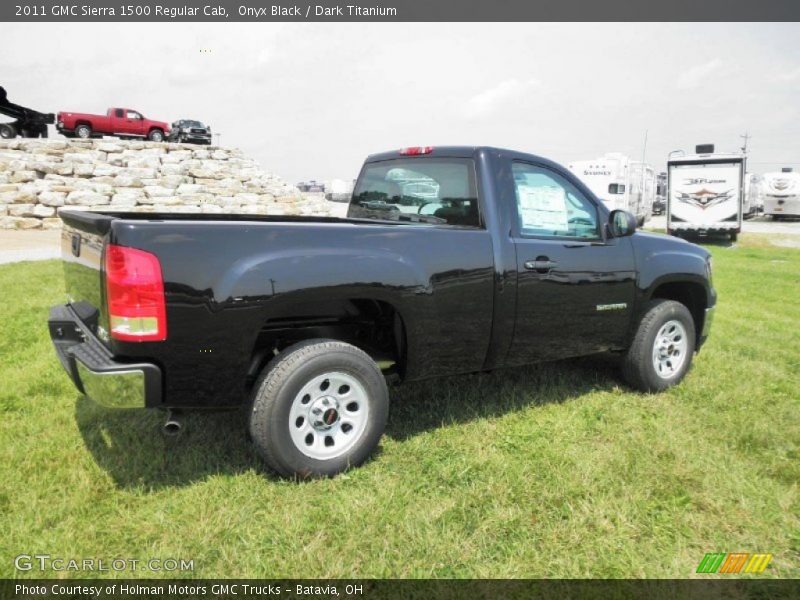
450,260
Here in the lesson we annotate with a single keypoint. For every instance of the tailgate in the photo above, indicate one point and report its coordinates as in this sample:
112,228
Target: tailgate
82,242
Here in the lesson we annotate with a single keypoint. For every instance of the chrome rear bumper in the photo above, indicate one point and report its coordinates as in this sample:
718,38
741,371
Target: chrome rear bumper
94,371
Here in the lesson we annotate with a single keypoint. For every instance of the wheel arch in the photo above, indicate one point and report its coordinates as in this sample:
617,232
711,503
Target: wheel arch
689,292
374,325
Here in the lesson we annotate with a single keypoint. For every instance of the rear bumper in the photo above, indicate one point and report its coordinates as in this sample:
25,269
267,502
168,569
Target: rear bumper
94,371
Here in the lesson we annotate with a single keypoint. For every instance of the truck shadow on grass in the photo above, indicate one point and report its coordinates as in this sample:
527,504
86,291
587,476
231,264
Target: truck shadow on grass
129,445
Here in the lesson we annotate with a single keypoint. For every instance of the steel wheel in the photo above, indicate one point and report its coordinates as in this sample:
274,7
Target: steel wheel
328,415
670,349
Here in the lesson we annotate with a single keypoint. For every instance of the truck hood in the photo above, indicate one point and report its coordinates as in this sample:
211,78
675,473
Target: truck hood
647,244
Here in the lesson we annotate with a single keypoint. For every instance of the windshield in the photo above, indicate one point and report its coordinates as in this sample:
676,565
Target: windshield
423,190
197,124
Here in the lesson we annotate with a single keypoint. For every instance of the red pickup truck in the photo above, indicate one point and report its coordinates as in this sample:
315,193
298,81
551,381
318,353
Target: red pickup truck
119,122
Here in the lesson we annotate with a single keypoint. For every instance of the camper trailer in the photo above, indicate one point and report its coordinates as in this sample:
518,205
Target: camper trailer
753,195
705,192
660,203
619,182
782,194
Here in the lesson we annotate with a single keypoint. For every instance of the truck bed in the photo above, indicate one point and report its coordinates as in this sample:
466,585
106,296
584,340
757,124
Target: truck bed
232,281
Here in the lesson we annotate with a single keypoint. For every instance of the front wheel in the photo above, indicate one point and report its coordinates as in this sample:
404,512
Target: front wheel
319,407
662,349
156,135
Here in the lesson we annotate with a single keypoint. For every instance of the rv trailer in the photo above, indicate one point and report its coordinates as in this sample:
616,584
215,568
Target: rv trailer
753,195
660,202
782,194
705,192
619,183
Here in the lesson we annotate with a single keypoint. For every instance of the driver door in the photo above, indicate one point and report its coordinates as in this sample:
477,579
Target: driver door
575,289
134,123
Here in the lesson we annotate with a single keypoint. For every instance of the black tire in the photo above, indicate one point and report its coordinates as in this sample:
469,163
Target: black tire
156,135
277,393
8,131
638,366
734,236
83,132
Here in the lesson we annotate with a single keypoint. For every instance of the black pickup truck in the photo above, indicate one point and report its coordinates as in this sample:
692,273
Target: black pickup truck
450,260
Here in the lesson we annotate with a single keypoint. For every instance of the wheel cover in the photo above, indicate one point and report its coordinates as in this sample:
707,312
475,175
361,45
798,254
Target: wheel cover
669,349
329,415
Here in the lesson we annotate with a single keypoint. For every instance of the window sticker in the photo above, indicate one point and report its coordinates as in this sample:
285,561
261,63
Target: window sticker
542,207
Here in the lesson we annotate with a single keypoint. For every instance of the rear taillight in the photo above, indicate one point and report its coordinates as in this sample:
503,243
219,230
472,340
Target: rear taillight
416,150
137,310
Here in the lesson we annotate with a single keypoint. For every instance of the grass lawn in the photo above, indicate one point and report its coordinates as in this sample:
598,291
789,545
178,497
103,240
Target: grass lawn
556,470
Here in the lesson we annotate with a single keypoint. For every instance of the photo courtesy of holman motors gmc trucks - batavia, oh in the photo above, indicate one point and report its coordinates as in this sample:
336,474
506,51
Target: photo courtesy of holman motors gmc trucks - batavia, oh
450,260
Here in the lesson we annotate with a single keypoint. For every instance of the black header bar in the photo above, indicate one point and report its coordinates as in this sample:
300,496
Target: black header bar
399,10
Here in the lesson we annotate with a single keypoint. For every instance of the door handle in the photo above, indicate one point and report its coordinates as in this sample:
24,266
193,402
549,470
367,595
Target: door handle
540,265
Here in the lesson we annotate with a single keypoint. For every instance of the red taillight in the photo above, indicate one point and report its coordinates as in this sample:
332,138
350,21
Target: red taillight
416,150
137,311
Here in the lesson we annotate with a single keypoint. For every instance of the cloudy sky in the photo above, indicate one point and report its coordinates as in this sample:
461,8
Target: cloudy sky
312,100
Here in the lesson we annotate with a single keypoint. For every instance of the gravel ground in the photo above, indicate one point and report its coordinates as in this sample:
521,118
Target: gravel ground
16,246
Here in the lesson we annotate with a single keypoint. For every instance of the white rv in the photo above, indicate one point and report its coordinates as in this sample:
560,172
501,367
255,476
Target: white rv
705,192
782,194
753,195
619,182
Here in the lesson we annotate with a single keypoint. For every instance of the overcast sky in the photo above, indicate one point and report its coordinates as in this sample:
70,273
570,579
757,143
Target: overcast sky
312,100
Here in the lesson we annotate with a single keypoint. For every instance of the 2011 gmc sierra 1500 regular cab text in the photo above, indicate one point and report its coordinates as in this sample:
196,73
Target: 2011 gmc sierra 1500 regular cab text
451,260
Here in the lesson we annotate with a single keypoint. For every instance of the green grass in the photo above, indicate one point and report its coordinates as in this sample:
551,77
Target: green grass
550,471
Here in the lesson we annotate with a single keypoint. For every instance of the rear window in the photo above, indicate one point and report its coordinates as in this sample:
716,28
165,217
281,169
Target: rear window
423,190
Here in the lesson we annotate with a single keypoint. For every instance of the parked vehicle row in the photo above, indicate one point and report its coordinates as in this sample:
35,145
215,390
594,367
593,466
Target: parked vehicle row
450,260
123,123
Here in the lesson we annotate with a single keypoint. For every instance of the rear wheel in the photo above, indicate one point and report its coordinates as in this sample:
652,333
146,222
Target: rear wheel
83,131
7,131
662,349
319,407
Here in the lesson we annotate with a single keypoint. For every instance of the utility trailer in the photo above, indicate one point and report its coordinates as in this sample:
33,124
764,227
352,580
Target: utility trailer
29,123
705,193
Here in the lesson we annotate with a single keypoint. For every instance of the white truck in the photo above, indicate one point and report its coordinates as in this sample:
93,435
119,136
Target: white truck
705,193
621,183
782,194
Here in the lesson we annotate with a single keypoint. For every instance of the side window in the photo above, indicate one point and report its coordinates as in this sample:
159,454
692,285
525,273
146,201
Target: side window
132,114
550,206
118,113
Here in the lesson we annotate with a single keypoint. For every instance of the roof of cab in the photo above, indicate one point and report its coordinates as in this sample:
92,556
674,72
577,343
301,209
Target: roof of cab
457,152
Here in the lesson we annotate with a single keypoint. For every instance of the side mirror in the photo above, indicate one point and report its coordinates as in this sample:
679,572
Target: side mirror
621,223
